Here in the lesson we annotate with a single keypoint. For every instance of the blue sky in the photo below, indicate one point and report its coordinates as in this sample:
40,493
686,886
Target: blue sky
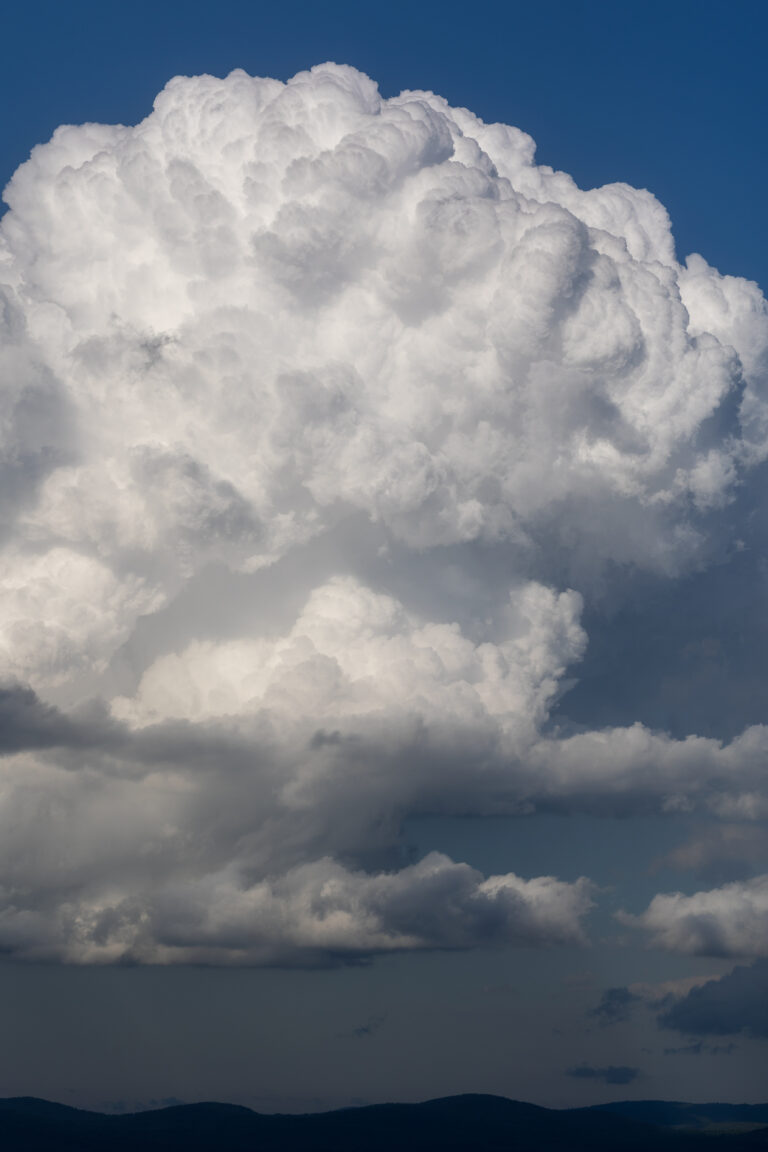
668,97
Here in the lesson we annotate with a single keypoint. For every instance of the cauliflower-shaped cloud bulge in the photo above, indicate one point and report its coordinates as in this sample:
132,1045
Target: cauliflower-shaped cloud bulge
312,404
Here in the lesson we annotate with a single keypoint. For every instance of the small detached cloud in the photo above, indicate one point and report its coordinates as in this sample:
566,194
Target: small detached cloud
611,1074
735,1003
663,1000
699,1048
615,1005
663,992
363,1031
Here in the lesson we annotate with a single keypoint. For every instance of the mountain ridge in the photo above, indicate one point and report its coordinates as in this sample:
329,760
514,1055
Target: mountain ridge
464,1123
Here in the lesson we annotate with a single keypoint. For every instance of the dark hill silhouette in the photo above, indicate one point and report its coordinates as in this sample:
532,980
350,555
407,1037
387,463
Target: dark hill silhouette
453,1124
671,1113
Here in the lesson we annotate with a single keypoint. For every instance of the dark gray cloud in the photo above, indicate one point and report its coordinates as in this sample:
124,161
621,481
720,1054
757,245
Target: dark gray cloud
737,1002
363,1031
611,1074
28,722
699,1048
615,1005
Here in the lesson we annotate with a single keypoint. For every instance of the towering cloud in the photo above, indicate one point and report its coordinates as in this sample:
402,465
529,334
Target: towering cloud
321,414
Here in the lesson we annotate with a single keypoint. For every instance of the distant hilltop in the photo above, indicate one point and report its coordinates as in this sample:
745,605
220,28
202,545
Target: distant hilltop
454,1124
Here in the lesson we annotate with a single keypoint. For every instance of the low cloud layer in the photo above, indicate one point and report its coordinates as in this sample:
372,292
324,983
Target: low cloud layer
325,416
318,913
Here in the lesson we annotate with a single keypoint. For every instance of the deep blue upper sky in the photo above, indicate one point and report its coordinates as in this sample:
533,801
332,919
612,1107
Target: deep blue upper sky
670,96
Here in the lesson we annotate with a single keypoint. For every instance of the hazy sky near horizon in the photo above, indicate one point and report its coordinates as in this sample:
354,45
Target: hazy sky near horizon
382,554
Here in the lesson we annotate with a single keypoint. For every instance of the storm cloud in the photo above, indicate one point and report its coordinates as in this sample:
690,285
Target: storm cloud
325,416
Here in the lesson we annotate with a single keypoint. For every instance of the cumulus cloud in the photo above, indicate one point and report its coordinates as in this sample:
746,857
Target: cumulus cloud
322,414
240,807
302,300
318,913
727,921
353,653
636,769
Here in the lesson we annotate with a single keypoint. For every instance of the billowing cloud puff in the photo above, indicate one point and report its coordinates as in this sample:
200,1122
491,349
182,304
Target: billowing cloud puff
727,921
268,305
353,654
320,413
